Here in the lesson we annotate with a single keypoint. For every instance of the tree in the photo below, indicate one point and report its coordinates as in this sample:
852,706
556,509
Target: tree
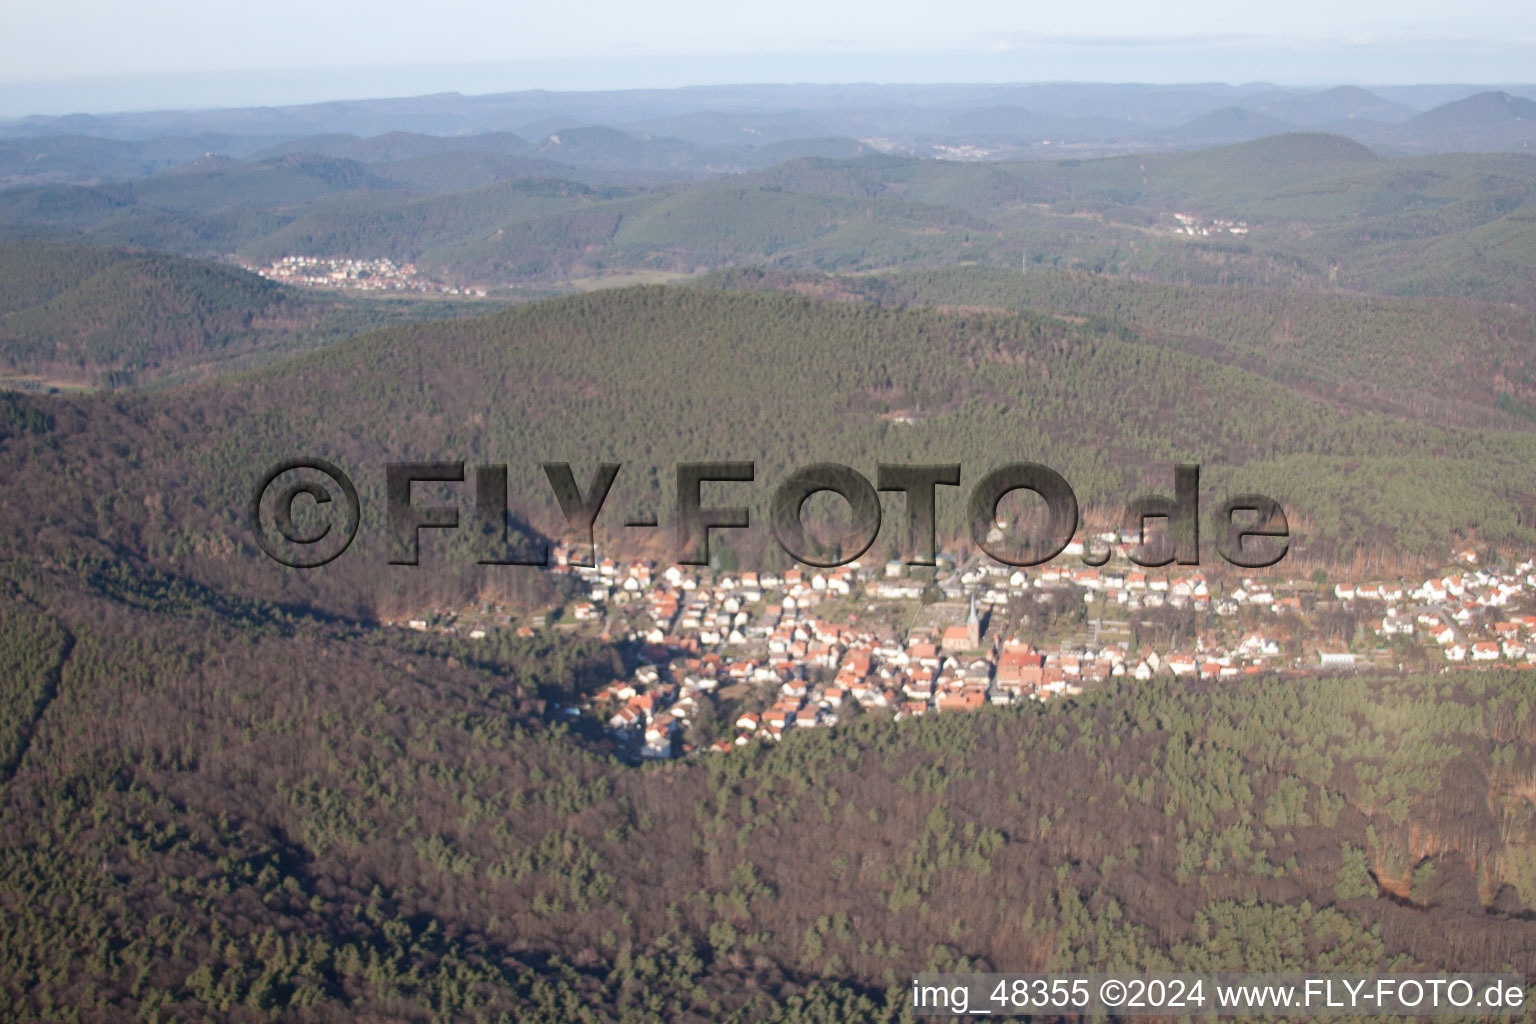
1354,879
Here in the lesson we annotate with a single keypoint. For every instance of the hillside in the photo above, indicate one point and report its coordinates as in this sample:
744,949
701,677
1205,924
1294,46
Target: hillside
84,158
1385,353
113,317
217,806
1492,120
1315,211
424,227
392,147
1342,103
86,315
461,171
1225,126
1312,210
737,376
226,788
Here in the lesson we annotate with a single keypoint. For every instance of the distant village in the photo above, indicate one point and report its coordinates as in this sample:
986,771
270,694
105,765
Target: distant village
1191,224
380,275
763,654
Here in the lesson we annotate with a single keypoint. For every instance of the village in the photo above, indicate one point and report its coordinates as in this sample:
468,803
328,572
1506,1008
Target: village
375,275
1192,224
733,658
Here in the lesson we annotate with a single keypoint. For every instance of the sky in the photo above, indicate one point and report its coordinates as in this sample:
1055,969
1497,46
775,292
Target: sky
101,56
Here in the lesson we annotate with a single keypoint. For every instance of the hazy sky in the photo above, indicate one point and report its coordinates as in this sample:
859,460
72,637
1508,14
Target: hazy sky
101,55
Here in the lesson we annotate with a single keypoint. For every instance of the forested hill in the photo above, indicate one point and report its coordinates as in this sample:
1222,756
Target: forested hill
227,791
1300,210
1379,352
651,377
86,315
209,805
1217,175
106,316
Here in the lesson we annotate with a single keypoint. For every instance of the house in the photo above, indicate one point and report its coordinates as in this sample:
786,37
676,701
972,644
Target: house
968,698
1256,645
919,688
626,718
1019,668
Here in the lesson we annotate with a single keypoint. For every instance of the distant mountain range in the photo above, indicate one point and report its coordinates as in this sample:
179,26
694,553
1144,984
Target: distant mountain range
683,134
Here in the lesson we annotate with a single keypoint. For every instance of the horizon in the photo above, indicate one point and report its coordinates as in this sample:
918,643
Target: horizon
83,56
1431,93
